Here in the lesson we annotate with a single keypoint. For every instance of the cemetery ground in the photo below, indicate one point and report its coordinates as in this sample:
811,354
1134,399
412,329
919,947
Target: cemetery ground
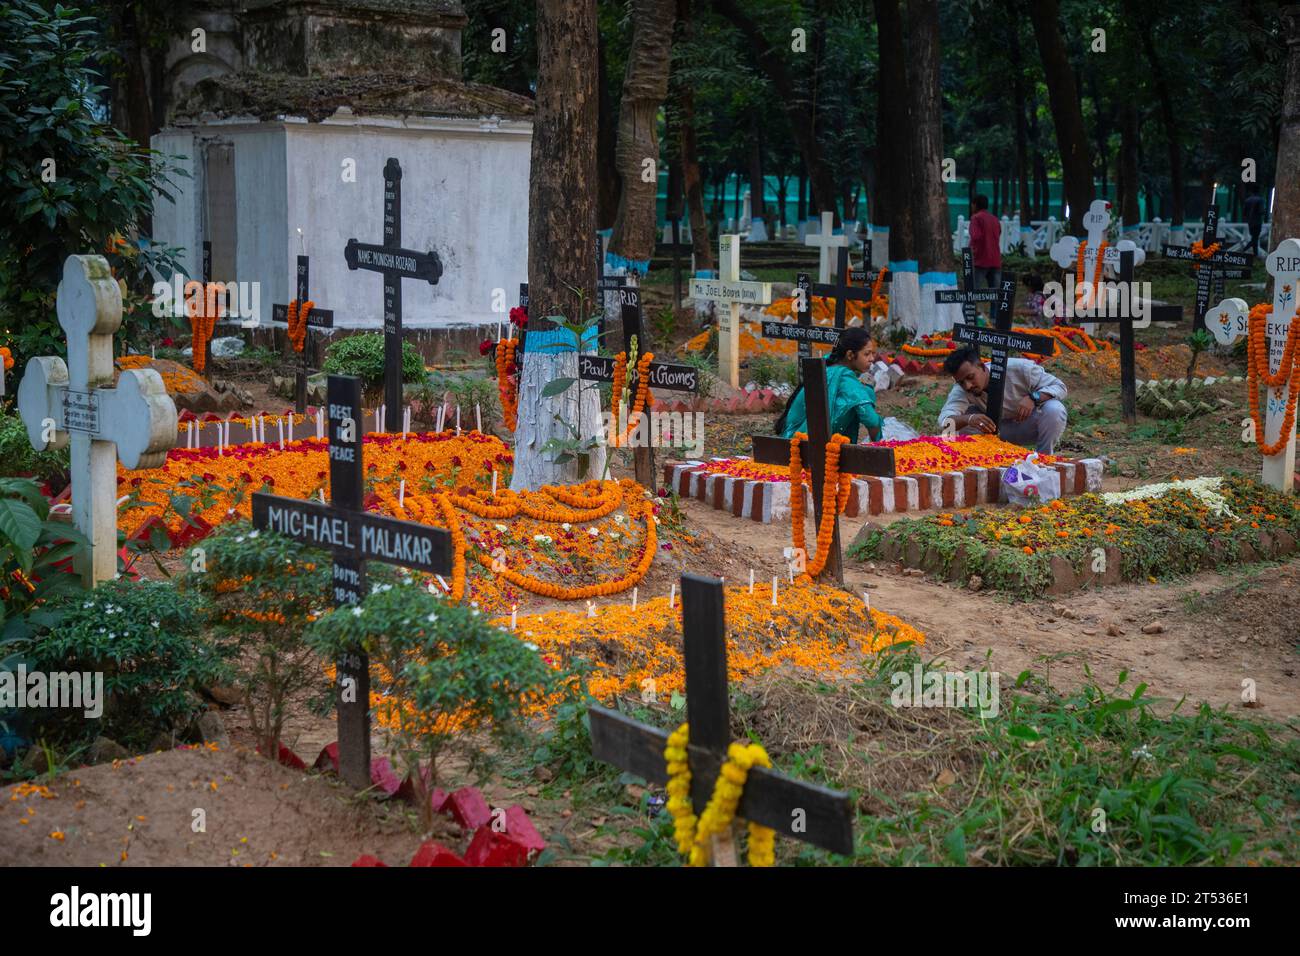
1126,698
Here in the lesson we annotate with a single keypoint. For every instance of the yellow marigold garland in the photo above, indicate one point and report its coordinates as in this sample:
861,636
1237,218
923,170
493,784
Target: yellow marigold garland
693,834
201,326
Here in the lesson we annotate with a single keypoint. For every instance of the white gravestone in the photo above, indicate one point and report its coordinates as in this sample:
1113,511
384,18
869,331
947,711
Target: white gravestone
75,401
730,291
826,241
1065,253
1229,321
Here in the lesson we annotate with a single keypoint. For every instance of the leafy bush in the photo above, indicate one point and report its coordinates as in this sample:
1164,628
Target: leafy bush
20,458
767,370
444,671
261,590
466,391
144,637
363,356
102,183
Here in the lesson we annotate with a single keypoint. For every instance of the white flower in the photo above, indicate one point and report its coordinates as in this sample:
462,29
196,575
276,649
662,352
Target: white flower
500,527
357,611
565,526
615,535
252,535
1143,754
153,623
594,532
618,518
542,538
529,645
432,618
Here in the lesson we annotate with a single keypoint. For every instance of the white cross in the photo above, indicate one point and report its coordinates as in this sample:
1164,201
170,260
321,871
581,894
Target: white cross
731,292
1229,322
1065,252
74,401
825,241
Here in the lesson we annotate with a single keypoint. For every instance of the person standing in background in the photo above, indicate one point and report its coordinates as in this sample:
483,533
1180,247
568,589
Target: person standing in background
985,244
1253,210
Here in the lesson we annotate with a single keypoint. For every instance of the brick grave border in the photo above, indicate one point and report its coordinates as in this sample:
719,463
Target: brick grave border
768,501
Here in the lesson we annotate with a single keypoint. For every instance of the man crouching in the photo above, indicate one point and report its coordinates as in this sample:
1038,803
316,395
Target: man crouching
1033,401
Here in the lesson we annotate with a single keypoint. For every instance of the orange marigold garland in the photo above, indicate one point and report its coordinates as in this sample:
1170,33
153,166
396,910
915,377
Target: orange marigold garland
835,495
641,401
296,319
1097,268
201,326
507,382
1257,374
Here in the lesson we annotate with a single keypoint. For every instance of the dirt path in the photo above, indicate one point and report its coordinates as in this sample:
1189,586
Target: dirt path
1219,628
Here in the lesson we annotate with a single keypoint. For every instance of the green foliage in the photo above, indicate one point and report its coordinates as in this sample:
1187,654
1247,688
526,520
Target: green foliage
664,323
446,672
261,591
100,185
765,370
144,637
465,391
704,361
363,356
20,458
31,549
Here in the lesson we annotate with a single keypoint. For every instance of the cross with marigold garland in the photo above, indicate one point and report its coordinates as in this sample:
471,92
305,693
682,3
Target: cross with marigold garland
801,811
1208,264
314,319
854,459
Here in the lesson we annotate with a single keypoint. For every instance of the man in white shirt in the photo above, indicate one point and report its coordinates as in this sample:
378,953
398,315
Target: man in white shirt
1033,401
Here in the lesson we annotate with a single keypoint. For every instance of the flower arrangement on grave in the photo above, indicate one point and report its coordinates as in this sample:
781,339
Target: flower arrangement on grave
1097,270
942,344
508,381
296,318
641,401
177,379
694,835
835,495
202,325
1202,251
1153,531
1257,375
7,356
879,304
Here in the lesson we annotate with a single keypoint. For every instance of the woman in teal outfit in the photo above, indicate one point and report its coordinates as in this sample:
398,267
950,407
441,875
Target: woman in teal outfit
850,402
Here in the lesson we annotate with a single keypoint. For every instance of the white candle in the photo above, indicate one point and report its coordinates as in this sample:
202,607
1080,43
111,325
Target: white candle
279,426
634,590
790,567
442,582
478,418
401,494
866,599
291,428
494,482
457,419
221,445
672,593
751,580
774,579
380,417
406,420
153,352
514,608
322,494
441,409
591,609
227,431
320,424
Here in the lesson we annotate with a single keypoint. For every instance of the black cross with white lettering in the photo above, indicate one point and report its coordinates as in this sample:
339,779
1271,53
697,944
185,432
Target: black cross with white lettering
1210,271
770,798
1127,352
855,459
802,329
396,264
605,283
316,319
354,536
840,289
969,295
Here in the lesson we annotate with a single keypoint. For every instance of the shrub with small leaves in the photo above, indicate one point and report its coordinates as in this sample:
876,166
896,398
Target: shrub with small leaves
363,356
261,591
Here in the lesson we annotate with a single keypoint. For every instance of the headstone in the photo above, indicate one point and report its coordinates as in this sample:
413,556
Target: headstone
854,459
1209,272
841,290
802,329
76,402
353,536
608,287
316,319
825,241
395,264
769,798
1229,322
969,295
730,291
1064,252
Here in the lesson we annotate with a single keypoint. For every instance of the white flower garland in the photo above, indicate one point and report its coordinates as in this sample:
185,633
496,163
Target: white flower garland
1205,490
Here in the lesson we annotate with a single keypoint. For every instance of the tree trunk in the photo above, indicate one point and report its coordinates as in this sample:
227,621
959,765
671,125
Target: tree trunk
756,182
799,107
1063,97
561,224
645,84
692,181
933,238
802,210
609,186
1286,206
1168,110
1130,213
893,134
782,180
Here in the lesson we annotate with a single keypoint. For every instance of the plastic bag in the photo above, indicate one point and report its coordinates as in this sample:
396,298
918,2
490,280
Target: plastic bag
1029,483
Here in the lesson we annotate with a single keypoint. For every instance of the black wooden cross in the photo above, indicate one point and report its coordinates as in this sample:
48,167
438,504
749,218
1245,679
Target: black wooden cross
969,295
840,289
605,283
1127,354
802,811
802,329
316,319
677,378
854,459
396,264
355,537
1210,272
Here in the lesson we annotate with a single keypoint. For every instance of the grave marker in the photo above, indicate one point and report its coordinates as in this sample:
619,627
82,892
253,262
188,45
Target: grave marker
1064,252
1208,272
770,798
316,319
1000,339
606,283
969,295
840,290
76,402
1127,355
729,289
395,264
802,329
825,241
1229,321
855,459
353,536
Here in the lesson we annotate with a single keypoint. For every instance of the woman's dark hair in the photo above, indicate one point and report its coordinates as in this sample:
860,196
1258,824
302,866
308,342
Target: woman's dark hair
853,339
959,357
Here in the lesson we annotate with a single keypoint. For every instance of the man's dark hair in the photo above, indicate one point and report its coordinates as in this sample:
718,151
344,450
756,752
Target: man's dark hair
962,355
981,201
